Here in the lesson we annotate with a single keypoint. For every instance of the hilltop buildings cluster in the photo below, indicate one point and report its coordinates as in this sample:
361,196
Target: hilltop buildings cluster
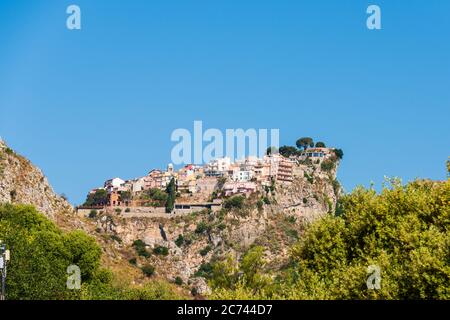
199,182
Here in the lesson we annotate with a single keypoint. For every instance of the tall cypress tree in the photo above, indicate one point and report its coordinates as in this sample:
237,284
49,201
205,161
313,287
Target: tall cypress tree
171,194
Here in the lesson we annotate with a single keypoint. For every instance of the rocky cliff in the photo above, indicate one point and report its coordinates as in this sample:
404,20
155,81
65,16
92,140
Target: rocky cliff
22,182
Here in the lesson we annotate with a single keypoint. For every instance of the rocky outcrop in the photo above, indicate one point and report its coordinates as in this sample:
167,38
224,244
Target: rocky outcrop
312,194
23,183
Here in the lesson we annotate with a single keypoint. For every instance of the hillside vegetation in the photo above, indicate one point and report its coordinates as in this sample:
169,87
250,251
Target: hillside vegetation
404,230
41,254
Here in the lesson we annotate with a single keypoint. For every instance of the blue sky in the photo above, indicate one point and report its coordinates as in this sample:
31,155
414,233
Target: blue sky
100,102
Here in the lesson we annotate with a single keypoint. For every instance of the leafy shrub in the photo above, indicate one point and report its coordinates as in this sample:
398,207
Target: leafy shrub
221,226
140,248
291,219
158,198
205,250
327,165
178,281
205,270
148,270
201,227
292,233
180,240
160,250
234,202
92,214
127,210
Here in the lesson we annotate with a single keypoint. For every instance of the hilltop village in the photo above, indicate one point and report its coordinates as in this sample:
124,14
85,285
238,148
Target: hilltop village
197,187
176,224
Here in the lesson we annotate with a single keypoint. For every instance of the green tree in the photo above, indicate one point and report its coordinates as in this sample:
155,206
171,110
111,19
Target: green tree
171,195
235,202
99,198
148,270
41,253
304,143
287,151
157,197
339,153
252,266
403,230
320,144
125,196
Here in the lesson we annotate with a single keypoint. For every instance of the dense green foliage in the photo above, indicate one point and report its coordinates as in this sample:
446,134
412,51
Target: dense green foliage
339,153
171,195
161,250
148,270
235,202
158,198
41,254
140,248
327,165
287,151
404,230
99,198
304,143
320,144
125,196
180,240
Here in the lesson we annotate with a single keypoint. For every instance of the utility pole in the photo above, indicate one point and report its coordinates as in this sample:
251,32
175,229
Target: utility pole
4,259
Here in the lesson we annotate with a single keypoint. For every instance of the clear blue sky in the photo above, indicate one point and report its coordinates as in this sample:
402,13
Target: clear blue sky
102,102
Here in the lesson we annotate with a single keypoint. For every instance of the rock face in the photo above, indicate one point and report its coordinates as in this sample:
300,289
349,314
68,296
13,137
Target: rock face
312,193
23,183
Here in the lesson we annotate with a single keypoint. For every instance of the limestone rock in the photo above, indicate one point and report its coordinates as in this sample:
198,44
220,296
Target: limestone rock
23,183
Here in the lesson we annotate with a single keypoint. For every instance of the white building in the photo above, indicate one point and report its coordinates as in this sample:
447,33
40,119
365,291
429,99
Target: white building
242,175
218,166
138,184
231,188
115,183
